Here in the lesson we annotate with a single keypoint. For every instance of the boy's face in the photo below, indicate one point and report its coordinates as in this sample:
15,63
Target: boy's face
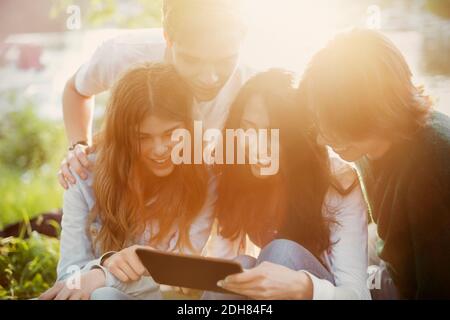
205,59
351,151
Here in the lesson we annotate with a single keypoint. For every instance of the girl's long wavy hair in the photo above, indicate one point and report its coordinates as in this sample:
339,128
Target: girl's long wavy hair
122,185
295,196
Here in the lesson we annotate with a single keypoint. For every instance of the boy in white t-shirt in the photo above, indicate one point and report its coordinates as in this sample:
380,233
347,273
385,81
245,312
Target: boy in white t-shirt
201,38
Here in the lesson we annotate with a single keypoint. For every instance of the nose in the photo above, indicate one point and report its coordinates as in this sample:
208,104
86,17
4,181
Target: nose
159,148
209,77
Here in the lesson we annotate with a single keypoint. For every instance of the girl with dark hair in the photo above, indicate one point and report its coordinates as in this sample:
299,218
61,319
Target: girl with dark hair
309,217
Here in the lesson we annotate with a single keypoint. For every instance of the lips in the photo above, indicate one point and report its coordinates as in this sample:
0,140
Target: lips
160,163
207,90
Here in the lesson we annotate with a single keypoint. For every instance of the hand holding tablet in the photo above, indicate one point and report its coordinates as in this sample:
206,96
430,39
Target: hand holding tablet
187,271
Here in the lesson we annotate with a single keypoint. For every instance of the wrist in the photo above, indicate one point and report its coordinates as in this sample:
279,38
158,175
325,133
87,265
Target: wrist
78,142
303,286
105,257
99,277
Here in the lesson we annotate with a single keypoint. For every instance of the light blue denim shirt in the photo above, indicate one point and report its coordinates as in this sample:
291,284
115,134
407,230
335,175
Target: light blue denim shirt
76,248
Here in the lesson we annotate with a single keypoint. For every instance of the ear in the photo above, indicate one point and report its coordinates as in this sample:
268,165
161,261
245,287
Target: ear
169,42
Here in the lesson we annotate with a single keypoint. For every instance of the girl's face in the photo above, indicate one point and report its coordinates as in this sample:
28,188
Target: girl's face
255,116
156,144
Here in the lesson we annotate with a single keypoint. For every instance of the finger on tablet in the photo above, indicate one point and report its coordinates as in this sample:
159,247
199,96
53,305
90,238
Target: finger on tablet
135,263
242,277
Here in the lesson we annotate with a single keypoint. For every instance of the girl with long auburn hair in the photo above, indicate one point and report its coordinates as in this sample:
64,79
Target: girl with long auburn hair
309,218
136,196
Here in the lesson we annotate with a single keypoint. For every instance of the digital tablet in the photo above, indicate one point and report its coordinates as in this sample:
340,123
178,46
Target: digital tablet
187,271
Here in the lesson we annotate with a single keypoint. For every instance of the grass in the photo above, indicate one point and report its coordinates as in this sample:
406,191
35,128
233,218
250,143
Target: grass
28,266
25,195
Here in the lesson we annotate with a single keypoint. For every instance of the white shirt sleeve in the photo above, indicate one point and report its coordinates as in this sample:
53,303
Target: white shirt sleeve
75,245
116,55
348,256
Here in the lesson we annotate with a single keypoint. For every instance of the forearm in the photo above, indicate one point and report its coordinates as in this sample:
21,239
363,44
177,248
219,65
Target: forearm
78,113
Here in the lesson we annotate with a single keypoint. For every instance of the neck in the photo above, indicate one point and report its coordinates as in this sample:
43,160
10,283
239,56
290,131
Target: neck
381,149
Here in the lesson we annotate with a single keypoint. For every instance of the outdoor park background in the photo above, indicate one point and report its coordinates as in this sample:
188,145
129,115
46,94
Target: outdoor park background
41,45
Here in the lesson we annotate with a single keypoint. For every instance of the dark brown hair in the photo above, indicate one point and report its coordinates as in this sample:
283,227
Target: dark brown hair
293,197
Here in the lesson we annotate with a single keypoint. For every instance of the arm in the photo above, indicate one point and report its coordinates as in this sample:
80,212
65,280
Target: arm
428,207
76,247
347,259
95,76
348,256
78,113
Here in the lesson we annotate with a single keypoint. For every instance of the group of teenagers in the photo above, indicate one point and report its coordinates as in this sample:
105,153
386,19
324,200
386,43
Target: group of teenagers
359,145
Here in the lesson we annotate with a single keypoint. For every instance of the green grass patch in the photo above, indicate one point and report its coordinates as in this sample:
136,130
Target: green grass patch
28,266
25,195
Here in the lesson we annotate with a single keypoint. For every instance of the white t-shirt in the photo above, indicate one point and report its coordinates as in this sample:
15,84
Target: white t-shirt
116,55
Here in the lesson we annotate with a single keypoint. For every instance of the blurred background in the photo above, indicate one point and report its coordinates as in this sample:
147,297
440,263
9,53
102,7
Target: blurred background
43,42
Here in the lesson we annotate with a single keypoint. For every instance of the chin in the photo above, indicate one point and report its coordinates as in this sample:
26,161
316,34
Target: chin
161,173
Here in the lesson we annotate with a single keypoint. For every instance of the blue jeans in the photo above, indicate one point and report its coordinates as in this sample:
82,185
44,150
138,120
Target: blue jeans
283,252
109,293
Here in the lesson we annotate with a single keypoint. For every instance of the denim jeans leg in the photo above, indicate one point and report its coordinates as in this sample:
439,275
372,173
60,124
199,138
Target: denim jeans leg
294,256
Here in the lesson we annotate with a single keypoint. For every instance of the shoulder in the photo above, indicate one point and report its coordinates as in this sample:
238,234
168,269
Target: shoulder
148,44
343,173
82,188
436,137
115,55
344,197
137,38
246,72
427,154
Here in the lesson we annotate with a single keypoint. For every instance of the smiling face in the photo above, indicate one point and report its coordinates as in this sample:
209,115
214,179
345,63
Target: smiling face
156,144
255,116
204,48
206,65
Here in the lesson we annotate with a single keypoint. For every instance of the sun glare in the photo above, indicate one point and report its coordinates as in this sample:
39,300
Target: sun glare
284,33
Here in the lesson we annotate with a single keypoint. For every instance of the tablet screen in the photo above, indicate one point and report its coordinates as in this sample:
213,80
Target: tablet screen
188,271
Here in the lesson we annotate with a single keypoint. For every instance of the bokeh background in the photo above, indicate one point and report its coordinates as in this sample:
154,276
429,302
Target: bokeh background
43,42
